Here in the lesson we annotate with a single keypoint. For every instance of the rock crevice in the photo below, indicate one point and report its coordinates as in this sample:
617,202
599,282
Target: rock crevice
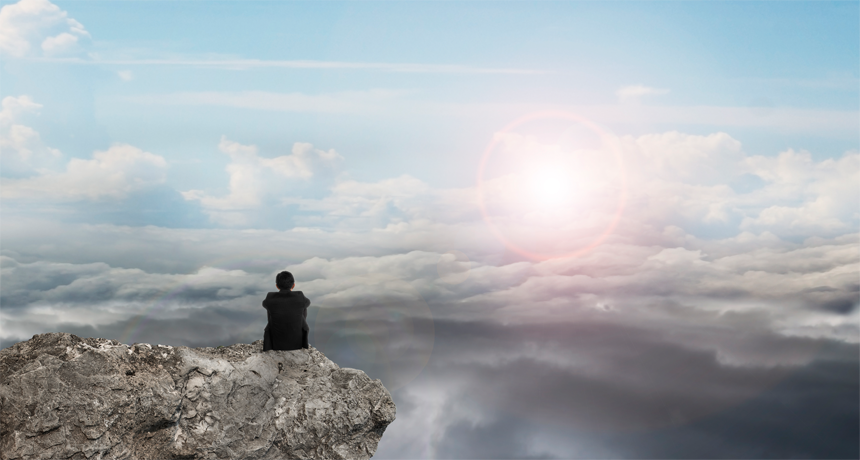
62,396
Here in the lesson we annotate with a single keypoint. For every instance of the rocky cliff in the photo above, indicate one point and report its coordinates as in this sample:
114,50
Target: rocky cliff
62,396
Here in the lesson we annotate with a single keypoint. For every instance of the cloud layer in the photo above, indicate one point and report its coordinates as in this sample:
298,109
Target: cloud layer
724,276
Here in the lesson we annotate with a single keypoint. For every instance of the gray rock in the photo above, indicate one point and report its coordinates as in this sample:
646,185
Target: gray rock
66,397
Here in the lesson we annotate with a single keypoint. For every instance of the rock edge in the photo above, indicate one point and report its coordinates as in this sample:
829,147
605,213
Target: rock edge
62,396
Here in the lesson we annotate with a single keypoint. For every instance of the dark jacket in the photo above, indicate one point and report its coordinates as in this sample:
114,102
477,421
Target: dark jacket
288,327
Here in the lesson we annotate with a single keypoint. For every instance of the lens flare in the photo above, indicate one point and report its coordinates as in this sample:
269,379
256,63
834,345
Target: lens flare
552,199
550,187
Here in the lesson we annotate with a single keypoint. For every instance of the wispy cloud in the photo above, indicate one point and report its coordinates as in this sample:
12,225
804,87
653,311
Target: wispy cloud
339,102
126,75
374,101
244,64
783,118
633,93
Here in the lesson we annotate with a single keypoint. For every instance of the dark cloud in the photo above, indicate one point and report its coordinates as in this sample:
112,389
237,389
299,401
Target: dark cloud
658,400
203,327
842,306
599,375
811,413
504,438
592,389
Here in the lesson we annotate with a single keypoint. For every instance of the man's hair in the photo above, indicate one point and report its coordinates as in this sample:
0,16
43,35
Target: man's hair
285,280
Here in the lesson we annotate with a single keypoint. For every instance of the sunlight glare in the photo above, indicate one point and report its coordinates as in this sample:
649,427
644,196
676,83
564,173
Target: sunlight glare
550,186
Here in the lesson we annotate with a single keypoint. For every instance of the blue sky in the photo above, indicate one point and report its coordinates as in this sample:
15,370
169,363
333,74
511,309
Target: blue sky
684,185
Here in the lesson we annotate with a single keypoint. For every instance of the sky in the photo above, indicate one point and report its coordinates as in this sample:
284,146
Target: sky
552,229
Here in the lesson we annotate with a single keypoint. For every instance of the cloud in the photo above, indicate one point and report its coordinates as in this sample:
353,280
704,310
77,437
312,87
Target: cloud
22,151
694,180
33,171
53,295
363,102
354,201
657,267
678,185
595,379
242,64
126,75
110,174
807,197
252,177
727,272
692,159
662,329
789,288
31,25
637,397
736,307
13,107
783,119
634,93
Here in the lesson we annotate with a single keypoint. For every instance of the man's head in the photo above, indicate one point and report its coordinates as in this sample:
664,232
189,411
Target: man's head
285,280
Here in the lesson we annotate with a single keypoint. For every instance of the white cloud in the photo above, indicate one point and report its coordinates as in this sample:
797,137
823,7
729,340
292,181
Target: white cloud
783,119
732,313
60,44
692,159
34,171
253,177
351,198
634,93
39,23
97,294
15,106
341,102
673,179
113,173
126,75
694,178
707,292
242,64
393,234
812,284
22,151
30,170
806,197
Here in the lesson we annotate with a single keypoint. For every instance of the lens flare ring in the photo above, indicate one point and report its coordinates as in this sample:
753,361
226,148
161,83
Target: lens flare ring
609,141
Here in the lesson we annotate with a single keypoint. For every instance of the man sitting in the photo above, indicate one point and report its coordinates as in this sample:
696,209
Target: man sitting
288,312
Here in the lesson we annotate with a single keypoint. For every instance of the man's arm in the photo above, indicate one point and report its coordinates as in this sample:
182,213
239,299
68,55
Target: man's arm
305,328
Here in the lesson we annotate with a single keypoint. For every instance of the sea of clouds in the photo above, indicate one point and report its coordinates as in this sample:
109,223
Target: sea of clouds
727,286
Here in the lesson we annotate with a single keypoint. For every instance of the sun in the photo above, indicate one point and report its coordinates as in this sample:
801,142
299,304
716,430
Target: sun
550,186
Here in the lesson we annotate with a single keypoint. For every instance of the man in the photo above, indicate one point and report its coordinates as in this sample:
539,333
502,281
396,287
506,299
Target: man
288,312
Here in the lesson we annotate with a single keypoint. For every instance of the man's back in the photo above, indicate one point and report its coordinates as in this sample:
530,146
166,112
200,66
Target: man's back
288,328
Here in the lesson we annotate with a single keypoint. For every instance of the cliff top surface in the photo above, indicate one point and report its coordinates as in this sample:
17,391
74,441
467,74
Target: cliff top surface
66,396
